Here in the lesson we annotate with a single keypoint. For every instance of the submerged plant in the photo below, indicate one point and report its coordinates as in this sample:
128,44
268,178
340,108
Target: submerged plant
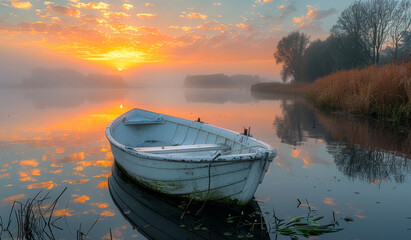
304,226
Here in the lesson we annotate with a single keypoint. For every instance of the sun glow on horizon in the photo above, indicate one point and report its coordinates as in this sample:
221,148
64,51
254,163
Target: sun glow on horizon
121,59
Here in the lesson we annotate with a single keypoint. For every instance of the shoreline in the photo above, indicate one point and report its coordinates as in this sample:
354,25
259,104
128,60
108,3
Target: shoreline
377,92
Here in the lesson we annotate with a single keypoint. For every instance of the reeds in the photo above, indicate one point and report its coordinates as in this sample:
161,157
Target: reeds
380,91
34,219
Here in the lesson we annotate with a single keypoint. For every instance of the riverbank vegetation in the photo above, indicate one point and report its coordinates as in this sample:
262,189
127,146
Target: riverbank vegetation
376,91
362,67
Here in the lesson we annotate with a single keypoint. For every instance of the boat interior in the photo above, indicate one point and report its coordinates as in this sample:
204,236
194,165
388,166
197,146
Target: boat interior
160,134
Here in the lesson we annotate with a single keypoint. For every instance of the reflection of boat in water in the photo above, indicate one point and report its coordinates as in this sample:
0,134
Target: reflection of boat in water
159,216
188,159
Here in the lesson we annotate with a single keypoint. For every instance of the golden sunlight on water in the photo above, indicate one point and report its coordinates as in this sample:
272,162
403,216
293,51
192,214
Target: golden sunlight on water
46,146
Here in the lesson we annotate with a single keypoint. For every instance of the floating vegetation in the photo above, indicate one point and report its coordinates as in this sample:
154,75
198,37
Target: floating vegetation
304,226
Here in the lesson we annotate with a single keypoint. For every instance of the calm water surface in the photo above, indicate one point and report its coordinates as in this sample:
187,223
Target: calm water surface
51,140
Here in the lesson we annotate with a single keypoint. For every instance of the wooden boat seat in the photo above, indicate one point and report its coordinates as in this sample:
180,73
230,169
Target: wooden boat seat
142,120
183,148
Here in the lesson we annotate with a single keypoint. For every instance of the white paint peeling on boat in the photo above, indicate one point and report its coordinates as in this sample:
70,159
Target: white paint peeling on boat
188,158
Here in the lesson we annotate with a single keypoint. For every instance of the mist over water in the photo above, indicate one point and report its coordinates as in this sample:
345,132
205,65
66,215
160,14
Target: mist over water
54,138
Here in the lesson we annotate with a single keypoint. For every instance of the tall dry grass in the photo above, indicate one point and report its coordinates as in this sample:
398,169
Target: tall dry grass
376,90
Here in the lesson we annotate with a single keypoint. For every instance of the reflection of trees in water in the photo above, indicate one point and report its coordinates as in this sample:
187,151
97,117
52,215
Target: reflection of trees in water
360,150
298,123
362,132
218,96
368,164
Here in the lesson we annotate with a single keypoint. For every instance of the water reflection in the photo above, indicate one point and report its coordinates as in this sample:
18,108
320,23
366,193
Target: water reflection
218,96
160,217
359,150
71,98
370,165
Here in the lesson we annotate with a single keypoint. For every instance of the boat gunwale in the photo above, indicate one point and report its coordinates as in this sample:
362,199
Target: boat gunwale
256,156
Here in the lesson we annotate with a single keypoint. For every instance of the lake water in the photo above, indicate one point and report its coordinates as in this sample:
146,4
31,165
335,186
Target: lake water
51,140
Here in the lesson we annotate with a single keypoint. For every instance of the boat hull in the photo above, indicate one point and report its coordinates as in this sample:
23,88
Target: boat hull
233,182
157,216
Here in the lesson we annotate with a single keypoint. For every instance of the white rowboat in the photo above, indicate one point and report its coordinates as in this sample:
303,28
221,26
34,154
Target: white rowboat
189,159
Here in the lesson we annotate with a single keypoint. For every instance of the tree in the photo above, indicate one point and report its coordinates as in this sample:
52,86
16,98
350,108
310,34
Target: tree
367,23
318,60
400,24
289,52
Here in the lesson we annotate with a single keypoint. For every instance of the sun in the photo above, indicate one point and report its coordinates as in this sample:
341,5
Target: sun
119,69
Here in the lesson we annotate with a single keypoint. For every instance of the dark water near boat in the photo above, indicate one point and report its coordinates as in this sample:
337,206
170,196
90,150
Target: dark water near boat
55,139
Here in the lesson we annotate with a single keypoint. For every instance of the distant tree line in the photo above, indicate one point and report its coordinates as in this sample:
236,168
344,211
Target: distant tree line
222,81
367,32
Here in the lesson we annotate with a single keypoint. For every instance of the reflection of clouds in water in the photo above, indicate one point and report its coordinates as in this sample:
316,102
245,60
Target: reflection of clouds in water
102,185
46,185
81,181
329,201
80,199
63,212
13,198
100,205
31,163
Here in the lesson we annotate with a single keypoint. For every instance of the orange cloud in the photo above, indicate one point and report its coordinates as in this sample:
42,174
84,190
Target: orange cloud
79,168
115,15
261,2
97,163
281,7
31,163
13,198
329,201
81,181
295,153
103,175
146,15
35,172
74,157
81,199
100,205
24,177
92,5
127,6
193,15
63,212
5,175
297,19
47,185
243,26
59,150
149,5
71,12
56,171
107,213
103,185
21,5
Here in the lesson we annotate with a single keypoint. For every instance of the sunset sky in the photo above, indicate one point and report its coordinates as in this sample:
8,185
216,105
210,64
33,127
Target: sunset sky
142,37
